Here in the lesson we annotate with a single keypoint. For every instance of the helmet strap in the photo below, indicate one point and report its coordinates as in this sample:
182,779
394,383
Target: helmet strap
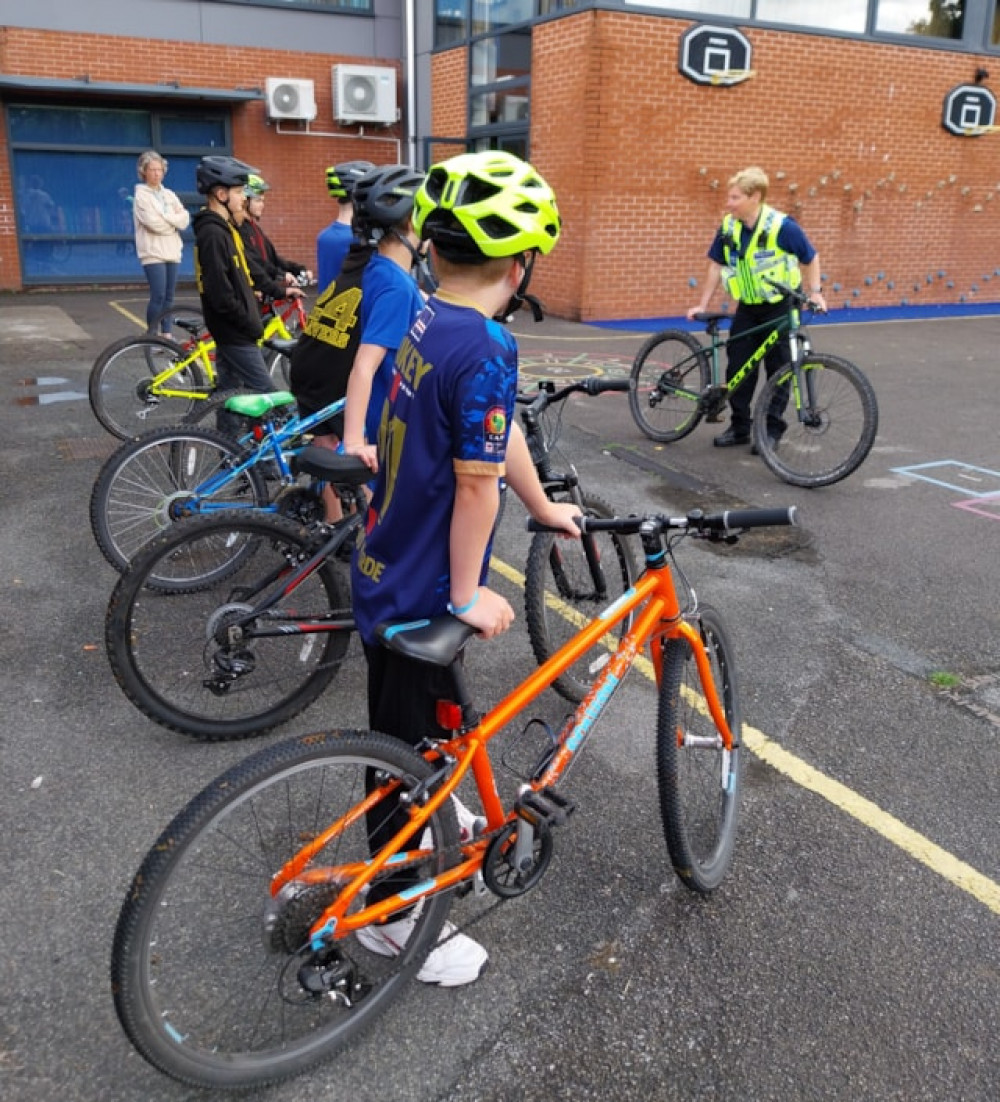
520,296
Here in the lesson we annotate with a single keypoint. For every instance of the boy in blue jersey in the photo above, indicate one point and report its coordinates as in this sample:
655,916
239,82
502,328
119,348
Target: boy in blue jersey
334,242
446,437
358,322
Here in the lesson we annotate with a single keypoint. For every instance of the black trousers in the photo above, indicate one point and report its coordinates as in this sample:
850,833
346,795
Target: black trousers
740,347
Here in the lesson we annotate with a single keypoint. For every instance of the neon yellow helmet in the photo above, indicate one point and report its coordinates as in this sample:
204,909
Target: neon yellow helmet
489,204
256,186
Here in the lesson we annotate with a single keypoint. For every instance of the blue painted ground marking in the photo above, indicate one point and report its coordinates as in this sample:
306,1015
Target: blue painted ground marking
967,475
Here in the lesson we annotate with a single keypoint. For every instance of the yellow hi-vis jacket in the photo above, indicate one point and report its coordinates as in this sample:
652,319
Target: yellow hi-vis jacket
747,264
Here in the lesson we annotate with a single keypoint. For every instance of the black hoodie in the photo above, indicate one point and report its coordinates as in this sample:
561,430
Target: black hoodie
232,313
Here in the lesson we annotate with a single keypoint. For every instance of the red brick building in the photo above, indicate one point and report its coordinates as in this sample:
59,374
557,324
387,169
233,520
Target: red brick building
848,119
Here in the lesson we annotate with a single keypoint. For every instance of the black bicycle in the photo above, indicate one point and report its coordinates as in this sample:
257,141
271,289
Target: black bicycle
828,405
567,582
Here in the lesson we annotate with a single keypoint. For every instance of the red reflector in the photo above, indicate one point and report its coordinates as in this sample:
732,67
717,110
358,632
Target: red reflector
258,433
449,715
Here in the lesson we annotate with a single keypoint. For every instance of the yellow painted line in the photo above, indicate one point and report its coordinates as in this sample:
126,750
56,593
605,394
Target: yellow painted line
128,314
869,814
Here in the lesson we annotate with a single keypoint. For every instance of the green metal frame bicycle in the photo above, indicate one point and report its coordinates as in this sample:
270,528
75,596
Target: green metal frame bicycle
147,382
828,404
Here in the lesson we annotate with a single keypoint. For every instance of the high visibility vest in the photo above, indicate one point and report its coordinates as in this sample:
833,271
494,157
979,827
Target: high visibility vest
747,264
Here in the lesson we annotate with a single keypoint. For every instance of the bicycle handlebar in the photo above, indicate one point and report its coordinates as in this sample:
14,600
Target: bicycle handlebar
547,395
800,298
729,522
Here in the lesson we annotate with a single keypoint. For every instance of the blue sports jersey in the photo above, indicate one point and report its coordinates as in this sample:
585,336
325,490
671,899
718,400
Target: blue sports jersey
390,300
449,411
332,246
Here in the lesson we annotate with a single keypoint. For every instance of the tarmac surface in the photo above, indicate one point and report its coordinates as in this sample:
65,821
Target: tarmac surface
851,952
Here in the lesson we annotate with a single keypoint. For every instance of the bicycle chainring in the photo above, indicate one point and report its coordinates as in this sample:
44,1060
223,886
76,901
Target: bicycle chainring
300,504
499,872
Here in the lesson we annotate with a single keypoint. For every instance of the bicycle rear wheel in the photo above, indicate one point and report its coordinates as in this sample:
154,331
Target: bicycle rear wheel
831,424
669,373
201,659
146,486
209,969
188,312
699,780
563,592
121,389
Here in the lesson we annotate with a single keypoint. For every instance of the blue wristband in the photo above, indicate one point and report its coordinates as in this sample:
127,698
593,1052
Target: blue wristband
465,608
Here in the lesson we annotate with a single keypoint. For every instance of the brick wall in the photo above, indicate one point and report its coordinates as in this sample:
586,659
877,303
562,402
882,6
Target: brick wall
293,163
849,131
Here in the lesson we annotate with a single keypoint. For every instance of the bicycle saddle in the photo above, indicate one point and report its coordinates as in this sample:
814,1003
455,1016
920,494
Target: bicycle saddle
712,318
438,640
344,470
257,405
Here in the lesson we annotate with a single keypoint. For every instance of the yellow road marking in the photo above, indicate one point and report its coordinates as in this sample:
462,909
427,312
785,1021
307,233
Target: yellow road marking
127,313
869,814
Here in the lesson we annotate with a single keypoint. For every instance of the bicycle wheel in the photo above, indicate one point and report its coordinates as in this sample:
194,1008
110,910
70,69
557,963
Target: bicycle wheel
213,977
199,659
120,385
699,780
189,312
146,486
279,367
669,373
833,432
562,594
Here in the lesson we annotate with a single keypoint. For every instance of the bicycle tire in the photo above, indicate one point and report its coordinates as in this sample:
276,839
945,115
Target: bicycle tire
279,367
669,362
182,656
144,487
119,381
699,785
204,960
561,596
838,433
190,311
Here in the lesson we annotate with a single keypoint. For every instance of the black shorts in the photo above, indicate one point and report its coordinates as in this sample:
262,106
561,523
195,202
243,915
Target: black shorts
403,695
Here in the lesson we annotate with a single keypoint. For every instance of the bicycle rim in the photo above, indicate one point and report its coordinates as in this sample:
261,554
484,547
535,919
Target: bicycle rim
836,429
668,376
145,487
207,965
699,780
562,595
121,392
196,659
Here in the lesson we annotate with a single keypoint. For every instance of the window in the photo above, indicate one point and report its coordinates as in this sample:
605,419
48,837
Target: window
361,6
737,8
74,177
451,21
494,15
933,18
845,15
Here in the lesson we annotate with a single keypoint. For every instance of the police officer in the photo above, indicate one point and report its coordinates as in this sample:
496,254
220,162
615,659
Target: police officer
756,242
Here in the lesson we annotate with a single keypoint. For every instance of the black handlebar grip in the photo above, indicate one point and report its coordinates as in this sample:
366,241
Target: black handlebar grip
603,384
732,519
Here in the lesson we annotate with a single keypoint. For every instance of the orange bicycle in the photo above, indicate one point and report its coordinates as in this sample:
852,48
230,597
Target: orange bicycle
236,960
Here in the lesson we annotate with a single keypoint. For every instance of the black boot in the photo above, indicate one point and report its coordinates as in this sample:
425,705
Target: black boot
731,438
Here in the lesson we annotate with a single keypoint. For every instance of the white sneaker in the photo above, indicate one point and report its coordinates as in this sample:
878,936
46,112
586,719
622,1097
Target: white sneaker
456,961
469,825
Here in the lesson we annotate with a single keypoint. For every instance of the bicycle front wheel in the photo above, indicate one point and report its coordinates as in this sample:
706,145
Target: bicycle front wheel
699,779
214,979
124,393
566,584
831,415
244,642
669,373
148,484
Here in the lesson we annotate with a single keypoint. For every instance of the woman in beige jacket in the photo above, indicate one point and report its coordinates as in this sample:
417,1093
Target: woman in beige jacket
159,217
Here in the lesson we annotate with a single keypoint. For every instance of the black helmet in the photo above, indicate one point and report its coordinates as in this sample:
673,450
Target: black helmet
340,179
221,172
383,197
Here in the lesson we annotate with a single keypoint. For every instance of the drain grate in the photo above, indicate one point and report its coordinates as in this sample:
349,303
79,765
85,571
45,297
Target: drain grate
86,447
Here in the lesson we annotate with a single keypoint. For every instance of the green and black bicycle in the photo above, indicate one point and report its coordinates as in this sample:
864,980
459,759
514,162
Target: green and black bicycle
830,409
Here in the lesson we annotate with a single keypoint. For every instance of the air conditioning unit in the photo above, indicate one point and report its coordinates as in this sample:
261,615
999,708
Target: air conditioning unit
288,98
364,93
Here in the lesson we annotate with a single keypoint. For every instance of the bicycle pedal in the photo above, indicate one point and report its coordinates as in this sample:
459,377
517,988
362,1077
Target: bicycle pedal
544,806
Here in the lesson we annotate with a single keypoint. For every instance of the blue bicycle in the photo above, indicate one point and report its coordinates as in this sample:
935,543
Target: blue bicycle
162,477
